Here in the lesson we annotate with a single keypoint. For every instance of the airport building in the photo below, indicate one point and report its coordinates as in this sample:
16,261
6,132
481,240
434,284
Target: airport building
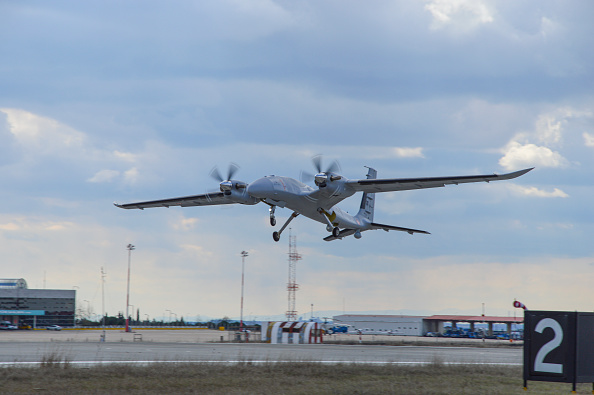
36,307
405,325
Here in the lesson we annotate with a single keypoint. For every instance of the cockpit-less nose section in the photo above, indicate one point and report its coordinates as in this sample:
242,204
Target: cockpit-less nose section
319,203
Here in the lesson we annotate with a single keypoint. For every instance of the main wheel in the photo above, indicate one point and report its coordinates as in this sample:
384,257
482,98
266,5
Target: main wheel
272,221
275,236
335,232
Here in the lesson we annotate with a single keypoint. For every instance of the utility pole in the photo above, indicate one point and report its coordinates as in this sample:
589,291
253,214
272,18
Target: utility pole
244,254
130,248
103,302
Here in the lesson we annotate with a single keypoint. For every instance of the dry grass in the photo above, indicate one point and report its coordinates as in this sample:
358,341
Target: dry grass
271,378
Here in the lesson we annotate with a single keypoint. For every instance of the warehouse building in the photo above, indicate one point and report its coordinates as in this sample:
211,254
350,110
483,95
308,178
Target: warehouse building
36,307
405,325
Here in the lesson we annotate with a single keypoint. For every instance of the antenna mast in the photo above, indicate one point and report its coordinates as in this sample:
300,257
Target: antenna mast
292,286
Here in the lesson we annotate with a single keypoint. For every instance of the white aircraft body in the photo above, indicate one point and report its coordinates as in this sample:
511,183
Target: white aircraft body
319,204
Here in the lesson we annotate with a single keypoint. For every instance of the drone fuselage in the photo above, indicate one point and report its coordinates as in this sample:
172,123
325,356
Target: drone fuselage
305,200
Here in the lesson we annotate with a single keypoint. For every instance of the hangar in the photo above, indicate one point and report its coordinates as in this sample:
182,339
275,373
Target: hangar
435,322
36,307
406,325
418,325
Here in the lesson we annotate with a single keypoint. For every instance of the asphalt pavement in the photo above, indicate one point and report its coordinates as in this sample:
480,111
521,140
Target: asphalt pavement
84,347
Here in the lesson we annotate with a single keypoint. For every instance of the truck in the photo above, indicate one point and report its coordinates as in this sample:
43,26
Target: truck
338,329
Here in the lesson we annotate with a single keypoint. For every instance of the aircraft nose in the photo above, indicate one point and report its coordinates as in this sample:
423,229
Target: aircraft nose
260,188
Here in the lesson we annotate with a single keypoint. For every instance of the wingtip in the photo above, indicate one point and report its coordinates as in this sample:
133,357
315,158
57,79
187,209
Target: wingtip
515,174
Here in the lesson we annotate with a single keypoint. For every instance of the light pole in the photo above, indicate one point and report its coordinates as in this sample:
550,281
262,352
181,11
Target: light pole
130,248
88,309
103,303
244,254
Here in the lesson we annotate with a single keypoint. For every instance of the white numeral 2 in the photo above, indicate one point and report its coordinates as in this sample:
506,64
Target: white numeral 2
539,365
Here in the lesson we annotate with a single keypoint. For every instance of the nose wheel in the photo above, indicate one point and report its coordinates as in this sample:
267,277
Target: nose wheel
335,232
272,218
276,236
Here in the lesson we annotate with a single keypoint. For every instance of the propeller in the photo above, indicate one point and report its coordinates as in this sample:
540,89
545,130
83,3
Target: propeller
226,184
323,175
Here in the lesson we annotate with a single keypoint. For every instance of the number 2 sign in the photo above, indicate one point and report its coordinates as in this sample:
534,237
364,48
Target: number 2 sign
558,346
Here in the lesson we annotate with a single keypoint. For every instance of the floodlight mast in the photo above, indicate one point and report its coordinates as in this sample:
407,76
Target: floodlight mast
244,254
130,248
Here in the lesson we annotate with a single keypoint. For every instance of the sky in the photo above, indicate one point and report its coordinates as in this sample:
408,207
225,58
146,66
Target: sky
122,101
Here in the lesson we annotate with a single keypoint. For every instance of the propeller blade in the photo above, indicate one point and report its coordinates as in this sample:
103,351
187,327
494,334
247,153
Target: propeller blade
233,167
214,173
334,167
317,161
304,176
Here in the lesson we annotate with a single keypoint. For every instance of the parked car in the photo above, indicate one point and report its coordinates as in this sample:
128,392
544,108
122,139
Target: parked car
54,328
7,326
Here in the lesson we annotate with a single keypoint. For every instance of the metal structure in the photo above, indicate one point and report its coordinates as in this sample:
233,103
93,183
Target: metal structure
244,254
292,286
103,303
130,248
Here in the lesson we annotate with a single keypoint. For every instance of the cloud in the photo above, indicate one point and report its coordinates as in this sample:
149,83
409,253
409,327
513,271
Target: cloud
131,175
104,176
521,155
533,191
588,139
541,147
409,152
459,14
40,135
184,223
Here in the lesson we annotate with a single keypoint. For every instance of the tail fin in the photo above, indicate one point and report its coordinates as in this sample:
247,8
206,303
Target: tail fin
368,201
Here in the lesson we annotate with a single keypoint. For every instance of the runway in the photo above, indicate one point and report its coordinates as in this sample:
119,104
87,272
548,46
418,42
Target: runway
83,347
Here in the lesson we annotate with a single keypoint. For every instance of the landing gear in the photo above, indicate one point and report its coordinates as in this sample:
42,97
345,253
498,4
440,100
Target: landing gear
272,218
276,235
330,226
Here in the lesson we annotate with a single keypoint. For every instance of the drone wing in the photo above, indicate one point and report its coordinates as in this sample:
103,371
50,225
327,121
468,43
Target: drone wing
208,199
388,228
404,184
374,226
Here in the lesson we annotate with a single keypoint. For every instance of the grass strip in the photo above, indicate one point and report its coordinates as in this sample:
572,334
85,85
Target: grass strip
286,378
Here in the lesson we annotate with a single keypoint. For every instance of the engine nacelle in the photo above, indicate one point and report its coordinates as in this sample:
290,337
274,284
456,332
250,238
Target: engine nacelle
240,196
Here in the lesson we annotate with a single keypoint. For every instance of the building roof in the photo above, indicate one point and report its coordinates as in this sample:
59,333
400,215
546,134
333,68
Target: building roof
476,318
13,283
